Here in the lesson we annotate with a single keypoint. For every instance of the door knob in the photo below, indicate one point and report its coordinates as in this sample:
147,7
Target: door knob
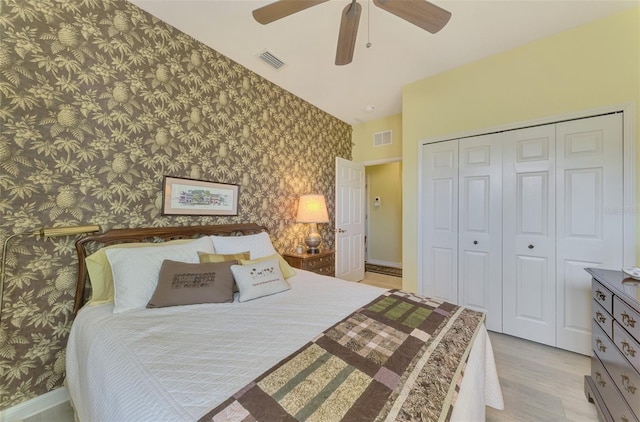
475,242
530,246
342,231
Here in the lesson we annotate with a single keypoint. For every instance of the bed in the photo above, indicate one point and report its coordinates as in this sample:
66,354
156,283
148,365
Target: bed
215,361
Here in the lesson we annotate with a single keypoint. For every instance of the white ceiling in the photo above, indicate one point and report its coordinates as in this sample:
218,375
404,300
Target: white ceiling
400,53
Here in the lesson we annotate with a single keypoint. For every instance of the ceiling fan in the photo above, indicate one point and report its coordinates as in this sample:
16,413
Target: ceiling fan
426,15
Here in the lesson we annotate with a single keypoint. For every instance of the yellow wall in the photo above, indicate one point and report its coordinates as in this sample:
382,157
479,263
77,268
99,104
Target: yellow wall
384,239
362,138
593,65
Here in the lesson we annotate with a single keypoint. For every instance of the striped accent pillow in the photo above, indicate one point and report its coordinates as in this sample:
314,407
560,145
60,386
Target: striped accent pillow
217,257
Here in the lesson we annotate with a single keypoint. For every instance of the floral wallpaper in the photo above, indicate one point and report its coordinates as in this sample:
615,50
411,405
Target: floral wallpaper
98,101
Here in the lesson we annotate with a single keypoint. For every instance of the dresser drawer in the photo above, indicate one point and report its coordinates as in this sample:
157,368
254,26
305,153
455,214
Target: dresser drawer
602,344
602,295
627,317
321,261
603,318
616,405
627,345
328,270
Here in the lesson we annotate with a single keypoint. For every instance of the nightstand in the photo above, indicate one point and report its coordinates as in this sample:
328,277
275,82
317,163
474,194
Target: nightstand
319,263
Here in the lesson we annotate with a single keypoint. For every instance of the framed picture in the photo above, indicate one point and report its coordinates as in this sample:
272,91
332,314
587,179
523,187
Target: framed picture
182,196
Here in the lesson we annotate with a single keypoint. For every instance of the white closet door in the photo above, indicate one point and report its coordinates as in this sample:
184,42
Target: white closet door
480,226
529,286
589,218
440,224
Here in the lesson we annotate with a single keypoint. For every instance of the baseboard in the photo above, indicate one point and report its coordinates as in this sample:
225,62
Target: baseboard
35,405
384,263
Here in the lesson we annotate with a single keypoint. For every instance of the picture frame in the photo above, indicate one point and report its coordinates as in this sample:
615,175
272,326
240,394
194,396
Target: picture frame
183,196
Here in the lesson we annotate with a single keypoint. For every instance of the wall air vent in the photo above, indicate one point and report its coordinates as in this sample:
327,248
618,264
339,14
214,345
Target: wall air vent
268,57
382,138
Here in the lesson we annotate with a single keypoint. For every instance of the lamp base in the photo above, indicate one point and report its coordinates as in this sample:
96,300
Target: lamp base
313,240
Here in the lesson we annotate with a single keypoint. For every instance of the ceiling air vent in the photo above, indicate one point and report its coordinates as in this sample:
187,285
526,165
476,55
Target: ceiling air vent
382,138
267,57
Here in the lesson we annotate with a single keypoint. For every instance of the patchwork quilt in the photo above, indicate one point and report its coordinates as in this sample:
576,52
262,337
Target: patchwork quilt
401,357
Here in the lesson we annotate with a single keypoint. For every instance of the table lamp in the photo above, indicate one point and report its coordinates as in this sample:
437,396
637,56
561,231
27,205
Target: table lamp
312,209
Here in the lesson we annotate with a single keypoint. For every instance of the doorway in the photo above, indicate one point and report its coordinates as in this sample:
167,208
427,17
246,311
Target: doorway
383,214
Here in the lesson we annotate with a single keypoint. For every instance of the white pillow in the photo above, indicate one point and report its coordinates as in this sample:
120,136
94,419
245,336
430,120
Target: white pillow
135,271
259,245
259,279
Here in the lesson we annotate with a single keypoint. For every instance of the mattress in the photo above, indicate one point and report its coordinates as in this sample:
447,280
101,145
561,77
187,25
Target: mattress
177,363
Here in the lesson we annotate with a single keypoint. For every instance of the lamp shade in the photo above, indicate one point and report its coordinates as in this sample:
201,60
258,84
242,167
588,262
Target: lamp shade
312,209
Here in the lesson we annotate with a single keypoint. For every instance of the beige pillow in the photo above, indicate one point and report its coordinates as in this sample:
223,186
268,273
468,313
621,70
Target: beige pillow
100,272
285,268
217,257
181,283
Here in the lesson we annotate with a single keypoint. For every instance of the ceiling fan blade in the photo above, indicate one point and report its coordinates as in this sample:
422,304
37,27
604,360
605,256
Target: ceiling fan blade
282,8
348,33
426,15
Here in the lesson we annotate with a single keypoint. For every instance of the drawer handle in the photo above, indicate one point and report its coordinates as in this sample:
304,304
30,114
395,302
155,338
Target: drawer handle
601,318
628,320
626,349
601,296
626,383
601,346
599,379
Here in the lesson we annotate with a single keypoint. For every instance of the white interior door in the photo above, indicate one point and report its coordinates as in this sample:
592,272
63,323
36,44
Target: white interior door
349,220
529,287
440,221
589,218
480,226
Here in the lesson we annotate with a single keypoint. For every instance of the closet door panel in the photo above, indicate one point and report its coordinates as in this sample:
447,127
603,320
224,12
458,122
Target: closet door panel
589,218
477,266
529,234
530,284
532,203
480,227
440,221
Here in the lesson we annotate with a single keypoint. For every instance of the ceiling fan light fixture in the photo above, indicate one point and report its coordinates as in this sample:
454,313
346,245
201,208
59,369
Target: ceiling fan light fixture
421,13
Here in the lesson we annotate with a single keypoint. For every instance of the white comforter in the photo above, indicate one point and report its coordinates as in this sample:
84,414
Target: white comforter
177,363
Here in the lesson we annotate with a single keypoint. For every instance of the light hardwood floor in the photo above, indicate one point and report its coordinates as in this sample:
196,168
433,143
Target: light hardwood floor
539,383
381,280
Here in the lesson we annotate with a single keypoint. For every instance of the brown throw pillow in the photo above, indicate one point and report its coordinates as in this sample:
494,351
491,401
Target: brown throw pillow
181,283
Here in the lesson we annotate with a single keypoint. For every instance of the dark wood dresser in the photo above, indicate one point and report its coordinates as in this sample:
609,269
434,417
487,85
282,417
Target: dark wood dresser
320,263
614,383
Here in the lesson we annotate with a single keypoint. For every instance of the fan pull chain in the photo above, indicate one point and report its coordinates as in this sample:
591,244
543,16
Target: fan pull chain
368,44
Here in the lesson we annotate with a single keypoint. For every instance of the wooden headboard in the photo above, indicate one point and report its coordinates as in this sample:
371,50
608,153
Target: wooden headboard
85,246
